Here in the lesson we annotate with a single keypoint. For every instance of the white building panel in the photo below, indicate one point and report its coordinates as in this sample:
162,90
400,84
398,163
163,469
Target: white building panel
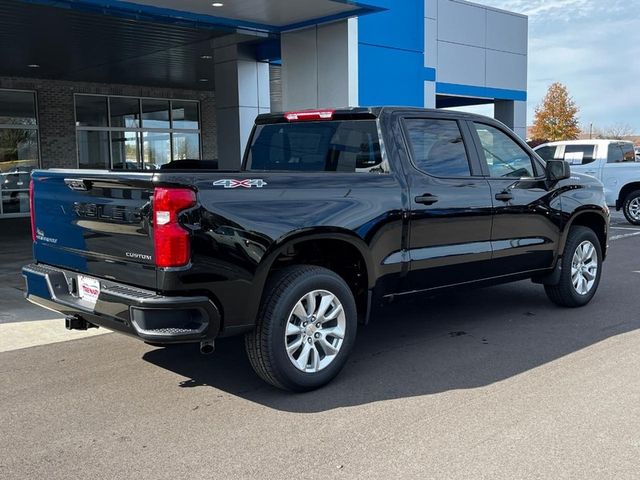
431,9
300,69
320,66
431,42
333,63
461,64
430,94
506,32
461,23
506,70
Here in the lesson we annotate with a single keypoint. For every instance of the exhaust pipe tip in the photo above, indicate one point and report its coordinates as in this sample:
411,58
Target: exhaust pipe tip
207,347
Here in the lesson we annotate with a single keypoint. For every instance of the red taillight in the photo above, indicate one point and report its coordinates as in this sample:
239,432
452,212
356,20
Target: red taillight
170,239
32,213
309,115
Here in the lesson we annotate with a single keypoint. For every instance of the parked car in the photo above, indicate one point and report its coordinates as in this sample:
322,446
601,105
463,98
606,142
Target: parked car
16,179
637,152
331,212
613,162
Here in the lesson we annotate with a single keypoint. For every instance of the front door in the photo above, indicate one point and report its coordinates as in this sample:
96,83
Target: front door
527,213
450,218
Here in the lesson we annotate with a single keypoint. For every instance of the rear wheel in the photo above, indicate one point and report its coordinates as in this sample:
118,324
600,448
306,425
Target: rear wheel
305,330
631,207
581,268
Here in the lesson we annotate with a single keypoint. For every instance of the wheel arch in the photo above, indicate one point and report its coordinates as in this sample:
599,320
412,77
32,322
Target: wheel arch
596,220
624,191
339,250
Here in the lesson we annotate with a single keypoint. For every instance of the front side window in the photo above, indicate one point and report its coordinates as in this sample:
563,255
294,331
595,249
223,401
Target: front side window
437,147
323,146
504,157
579,154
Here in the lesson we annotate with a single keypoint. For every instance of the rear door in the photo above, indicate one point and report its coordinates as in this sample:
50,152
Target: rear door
527,214
95,223
450,219
582,158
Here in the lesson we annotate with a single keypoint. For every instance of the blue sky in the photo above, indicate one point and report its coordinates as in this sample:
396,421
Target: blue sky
593,47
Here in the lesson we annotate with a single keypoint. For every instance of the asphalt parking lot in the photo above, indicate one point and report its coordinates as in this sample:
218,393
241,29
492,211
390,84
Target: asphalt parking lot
492,383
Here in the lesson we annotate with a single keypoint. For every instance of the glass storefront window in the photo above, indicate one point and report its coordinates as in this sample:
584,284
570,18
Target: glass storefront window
185,115
156,149
135,133
91,111
125,112
186,146
155,113
125,150
19,152
93,149
17,108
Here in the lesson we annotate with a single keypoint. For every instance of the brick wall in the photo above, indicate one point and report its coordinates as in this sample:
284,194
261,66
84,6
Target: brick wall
56,117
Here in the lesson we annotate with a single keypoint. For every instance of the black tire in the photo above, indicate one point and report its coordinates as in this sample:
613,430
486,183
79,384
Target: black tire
565,293
632,218
266,344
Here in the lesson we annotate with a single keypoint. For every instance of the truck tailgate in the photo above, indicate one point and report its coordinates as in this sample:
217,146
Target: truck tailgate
97,223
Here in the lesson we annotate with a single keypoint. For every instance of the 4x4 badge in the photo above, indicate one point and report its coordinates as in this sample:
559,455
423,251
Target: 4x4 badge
246,183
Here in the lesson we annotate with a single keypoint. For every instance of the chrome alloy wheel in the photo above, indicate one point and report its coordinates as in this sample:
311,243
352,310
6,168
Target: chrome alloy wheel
634,208
315,331
584,267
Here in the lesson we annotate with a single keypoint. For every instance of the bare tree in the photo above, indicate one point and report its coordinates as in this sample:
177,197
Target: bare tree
617,131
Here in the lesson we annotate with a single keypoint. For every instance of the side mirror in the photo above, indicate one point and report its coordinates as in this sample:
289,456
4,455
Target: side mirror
558,170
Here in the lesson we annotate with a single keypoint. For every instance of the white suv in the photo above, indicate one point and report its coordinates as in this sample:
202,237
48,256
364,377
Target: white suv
613,162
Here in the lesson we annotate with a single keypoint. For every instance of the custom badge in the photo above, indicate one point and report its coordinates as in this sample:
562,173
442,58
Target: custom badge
246,183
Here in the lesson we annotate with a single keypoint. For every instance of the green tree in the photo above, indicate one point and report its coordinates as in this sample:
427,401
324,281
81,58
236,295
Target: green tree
556,117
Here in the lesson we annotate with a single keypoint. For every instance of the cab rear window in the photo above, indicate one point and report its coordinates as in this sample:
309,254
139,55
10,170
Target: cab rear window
323,146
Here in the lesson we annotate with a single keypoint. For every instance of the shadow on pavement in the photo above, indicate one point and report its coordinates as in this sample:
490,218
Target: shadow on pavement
427,346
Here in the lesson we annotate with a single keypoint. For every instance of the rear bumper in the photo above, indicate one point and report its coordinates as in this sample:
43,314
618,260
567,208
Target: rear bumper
134,311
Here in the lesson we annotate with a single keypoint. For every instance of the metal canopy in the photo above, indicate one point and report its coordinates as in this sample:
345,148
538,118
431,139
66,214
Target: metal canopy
272,15
164,43
72,45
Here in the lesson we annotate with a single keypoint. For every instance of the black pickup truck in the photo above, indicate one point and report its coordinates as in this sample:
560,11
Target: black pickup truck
331,212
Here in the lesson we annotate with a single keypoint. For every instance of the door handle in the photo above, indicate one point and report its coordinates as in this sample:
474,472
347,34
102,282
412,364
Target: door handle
426,199
504,196
590,172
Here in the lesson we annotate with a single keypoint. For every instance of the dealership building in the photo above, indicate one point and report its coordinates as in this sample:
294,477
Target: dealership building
110,84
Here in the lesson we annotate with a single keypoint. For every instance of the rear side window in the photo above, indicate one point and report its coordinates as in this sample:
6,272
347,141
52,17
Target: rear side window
546,153
324,146
620,152
579,154
437,147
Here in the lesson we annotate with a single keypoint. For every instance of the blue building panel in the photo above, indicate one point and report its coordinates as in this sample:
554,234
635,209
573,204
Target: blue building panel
390,76
400,26
480,92
391,54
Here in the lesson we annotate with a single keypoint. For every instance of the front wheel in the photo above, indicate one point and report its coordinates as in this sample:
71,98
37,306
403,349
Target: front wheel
305,330
581,268
631,207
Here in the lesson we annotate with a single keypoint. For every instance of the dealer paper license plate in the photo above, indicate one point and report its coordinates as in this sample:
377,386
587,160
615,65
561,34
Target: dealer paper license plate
88,289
